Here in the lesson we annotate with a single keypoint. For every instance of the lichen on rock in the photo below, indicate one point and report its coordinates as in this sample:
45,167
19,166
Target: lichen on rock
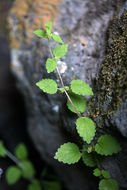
27,16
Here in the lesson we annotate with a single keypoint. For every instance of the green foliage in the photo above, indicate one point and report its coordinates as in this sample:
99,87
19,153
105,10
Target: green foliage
105,174
78,101
40,33
90,149
81,88
62,89
108,184
34,185
56,59
48,29
2,150
89,159
52,185
28,170
97,172
21,151
50,65
107,145
57,38
13,174
60,50
85,148
47,85
85,128
68,153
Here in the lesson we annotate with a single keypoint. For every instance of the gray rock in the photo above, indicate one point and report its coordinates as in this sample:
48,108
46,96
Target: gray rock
49,122
124,8
120,119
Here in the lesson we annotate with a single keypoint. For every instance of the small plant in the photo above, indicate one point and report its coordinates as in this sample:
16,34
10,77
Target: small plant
24,168
69,152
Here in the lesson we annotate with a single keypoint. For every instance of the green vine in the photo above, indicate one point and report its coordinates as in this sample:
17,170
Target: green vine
69,152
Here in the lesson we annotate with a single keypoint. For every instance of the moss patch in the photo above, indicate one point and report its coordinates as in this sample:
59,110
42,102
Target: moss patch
112,80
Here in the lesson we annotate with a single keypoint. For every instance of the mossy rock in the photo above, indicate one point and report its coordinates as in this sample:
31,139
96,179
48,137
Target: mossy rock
110,102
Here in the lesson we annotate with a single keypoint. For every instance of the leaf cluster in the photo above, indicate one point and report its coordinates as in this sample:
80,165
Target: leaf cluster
25,169
69,153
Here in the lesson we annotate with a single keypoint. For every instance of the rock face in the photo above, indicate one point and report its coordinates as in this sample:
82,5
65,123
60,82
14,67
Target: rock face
102,64
110,101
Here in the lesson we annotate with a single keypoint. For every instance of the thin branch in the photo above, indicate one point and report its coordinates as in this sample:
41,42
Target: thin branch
58,72
12,157
16,161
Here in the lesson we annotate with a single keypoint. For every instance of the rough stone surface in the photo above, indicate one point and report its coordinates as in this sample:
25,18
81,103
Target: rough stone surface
109,104
49,123
111,85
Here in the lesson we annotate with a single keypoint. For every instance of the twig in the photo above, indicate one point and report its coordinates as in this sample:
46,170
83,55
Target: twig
12,157
58,72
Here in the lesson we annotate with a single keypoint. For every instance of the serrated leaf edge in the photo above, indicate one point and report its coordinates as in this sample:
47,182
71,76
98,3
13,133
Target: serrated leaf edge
44,89
75,106
81,136
51,70
107,154
67,162
82,94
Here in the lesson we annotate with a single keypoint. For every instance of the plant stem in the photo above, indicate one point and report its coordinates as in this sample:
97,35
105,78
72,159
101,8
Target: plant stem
16,161
12,157
58,72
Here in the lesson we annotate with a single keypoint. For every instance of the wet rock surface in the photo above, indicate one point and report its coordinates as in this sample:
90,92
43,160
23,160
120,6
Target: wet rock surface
49,123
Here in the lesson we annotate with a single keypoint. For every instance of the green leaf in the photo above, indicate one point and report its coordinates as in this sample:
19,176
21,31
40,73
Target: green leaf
21,151
85,148
28,170
2,150
40,33
60,51
35,185
97,172
85,128
108,184
57,38
48,28
47,85
68,153
52,185
66,88
13,174
89,159
62,89
50,65
106,174
107,145
90,149
81,88
78,101
56,59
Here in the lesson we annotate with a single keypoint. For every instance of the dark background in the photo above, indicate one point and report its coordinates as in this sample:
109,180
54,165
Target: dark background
12,109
